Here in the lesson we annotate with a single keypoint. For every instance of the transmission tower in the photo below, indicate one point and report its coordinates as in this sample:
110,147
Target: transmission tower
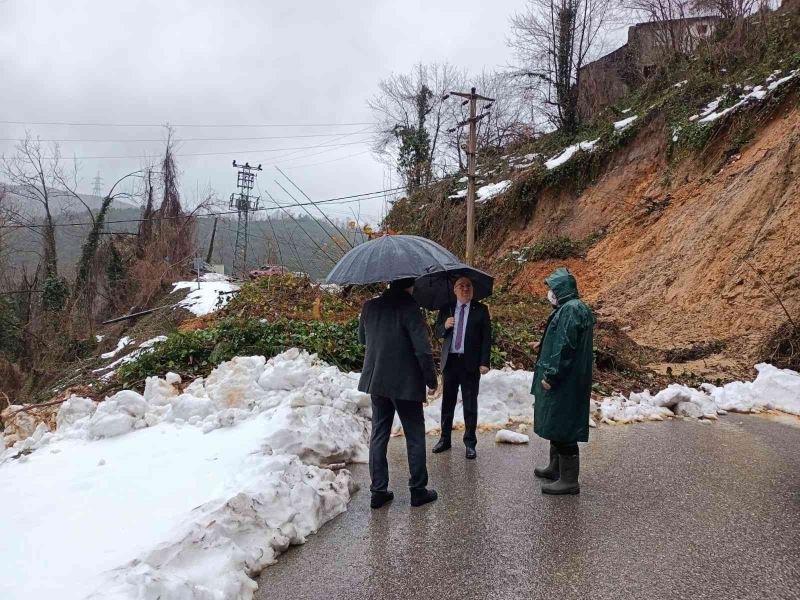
97,188
244,204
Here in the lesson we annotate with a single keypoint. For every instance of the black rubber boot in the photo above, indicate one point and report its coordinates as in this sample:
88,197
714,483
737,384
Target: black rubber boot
568,467
423,496
380,498
551,470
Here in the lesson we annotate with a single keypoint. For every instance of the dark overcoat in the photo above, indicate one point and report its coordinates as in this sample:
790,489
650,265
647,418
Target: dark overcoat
565,361
477,337
398,361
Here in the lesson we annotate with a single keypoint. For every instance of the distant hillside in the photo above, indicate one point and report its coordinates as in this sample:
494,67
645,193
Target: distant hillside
61,203
279,241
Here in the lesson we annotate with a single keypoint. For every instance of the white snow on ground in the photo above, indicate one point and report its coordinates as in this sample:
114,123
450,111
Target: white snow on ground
505,436
625,123
568,153
487,192
754,94
187,492
214,292
459,194
180,494
120,345
504,399
144,347
681,83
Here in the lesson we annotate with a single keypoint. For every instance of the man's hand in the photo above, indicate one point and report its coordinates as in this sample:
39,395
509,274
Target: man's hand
535,345
432,391
451,321
546,385
484,370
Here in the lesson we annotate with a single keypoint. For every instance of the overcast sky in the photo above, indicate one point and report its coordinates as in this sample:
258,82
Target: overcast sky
249,63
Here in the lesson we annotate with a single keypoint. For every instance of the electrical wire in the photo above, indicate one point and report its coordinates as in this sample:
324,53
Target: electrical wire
338,200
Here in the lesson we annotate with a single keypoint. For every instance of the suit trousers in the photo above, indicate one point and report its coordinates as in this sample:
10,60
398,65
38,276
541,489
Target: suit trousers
413,420
455,375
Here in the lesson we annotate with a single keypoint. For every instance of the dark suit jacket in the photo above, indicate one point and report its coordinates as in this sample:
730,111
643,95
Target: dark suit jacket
398,362
477,337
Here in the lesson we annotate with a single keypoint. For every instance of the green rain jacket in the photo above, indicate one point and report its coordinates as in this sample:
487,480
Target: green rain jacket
565,361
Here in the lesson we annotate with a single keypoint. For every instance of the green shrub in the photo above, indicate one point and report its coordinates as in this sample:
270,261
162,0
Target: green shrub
197,352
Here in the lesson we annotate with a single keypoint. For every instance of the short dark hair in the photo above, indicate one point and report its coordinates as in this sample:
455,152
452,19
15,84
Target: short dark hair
401,284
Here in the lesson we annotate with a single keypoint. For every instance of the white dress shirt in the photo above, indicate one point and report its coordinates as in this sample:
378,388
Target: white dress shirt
453,348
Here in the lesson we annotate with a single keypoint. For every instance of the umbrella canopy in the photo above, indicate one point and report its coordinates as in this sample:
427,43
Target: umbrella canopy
434,290
387,258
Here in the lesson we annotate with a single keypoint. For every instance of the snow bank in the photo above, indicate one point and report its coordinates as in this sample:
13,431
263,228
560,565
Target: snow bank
180,492
504,399
487,192
773,389
213,291
569,152
625,123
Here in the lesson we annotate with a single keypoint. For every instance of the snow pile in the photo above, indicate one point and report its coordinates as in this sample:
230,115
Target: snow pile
504,399
181,493
569,152
459,194
213,291
487,192
505,436
625,123
773,389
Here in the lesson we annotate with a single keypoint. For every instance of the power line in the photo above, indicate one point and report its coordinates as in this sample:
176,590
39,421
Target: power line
180,140
187,154
198,125
341,199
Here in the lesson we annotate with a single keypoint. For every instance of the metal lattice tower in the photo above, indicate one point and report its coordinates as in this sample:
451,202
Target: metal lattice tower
97,188
244,204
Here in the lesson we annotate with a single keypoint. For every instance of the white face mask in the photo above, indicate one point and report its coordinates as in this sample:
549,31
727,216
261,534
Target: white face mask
551,297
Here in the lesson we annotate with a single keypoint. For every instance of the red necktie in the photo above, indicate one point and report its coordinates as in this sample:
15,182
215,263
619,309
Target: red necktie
460,330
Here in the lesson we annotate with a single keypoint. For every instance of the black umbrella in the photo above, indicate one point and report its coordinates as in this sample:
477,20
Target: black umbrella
434,290
387,258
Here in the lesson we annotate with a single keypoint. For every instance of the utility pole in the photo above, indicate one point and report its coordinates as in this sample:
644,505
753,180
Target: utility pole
244,204
97,188
472,152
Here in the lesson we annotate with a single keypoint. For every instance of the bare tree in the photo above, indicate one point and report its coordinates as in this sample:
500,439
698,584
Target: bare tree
553,39
411,119
33,177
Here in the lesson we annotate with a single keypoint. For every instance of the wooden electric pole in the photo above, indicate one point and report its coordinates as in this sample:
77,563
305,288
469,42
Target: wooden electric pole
472,162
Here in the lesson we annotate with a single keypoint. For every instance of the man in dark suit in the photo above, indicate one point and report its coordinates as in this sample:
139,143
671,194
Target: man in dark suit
398,365
465,329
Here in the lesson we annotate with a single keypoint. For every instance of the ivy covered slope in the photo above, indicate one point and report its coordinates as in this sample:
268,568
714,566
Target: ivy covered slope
673,207
690,102
273,314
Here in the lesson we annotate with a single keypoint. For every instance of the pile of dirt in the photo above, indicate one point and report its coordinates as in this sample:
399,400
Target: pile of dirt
698,278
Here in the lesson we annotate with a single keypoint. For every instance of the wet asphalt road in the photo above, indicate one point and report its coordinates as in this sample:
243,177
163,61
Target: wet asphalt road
672,510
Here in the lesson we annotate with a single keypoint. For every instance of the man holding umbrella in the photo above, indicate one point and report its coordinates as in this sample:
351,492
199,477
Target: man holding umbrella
465,329
398,364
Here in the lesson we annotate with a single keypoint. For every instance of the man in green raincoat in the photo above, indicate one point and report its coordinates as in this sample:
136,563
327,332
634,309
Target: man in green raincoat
562,383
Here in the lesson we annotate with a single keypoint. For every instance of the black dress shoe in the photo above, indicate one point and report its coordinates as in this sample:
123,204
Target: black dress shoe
423,496
471,453
380,498
441,446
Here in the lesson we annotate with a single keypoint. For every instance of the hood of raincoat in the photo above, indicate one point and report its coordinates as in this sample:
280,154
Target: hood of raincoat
563,284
